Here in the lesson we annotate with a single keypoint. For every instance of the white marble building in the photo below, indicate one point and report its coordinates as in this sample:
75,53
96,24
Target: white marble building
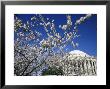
76,63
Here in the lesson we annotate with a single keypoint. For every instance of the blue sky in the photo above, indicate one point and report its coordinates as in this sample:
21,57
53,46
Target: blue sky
87,30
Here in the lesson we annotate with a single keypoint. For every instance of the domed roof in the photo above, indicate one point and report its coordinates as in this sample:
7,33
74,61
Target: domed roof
79,53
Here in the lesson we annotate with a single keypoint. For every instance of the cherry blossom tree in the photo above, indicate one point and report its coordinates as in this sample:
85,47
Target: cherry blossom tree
32,52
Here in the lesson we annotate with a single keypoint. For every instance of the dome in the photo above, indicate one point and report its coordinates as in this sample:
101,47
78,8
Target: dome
79,53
